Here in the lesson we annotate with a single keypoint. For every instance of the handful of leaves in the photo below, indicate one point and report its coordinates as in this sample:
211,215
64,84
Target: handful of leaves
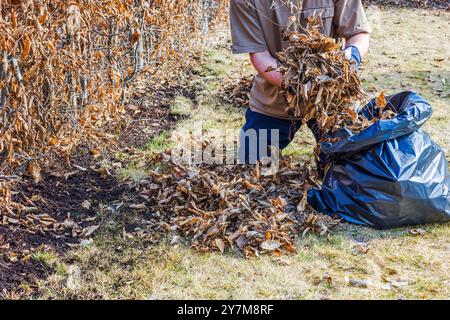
321,84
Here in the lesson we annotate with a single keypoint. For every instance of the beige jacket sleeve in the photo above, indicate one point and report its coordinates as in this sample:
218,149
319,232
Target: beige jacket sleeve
350,18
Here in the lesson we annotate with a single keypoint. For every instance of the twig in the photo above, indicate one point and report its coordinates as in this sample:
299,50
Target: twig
17,71
3,78
8,177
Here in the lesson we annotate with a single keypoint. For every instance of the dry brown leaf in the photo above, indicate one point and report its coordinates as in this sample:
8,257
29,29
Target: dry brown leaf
34,170
381,101
417,232
86,205
321,84
26,47
271,245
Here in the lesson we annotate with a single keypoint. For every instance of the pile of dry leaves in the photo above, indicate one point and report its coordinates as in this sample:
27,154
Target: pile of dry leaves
219,207
321,83
434,4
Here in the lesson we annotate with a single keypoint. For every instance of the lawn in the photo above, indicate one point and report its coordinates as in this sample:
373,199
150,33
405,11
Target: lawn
410,51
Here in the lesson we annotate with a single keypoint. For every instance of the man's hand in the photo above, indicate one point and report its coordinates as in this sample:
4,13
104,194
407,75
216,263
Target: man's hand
267,67
352,54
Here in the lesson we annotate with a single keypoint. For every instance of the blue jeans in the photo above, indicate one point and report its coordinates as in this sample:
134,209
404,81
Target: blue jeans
260,132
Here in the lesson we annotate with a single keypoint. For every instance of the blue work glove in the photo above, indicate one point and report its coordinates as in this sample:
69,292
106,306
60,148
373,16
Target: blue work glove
352,53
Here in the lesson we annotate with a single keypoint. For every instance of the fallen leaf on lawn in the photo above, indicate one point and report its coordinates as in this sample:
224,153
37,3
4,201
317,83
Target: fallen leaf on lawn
324,278
233,203
86,243
357,283
281,261
175,240
417,232
361,247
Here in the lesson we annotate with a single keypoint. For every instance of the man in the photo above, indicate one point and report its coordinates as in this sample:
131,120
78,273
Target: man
256,28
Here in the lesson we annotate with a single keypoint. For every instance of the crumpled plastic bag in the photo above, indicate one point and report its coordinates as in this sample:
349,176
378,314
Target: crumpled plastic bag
389,175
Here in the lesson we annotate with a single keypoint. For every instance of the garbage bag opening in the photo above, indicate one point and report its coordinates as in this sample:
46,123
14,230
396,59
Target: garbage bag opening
390,175
412,113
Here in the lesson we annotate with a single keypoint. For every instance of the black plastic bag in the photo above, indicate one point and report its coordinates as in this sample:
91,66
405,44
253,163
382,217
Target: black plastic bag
389,175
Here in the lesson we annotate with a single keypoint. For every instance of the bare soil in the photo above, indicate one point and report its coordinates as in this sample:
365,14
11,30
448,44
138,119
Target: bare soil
60,198
150,111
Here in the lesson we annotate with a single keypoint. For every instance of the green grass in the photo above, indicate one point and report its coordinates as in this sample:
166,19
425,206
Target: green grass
166,272
133,173
182,106
61,269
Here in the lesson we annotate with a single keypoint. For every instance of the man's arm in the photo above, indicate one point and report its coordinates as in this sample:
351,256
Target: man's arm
263,61
360,41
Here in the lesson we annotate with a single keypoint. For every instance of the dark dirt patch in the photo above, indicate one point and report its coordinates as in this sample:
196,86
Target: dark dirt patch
60,197
25,270
63,196
150,113
424,4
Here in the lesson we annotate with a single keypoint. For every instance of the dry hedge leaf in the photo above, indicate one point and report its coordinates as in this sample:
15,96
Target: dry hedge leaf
26,47
34,170
70,81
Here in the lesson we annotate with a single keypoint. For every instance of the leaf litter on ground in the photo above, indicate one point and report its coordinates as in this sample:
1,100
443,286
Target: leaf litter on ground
232,207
